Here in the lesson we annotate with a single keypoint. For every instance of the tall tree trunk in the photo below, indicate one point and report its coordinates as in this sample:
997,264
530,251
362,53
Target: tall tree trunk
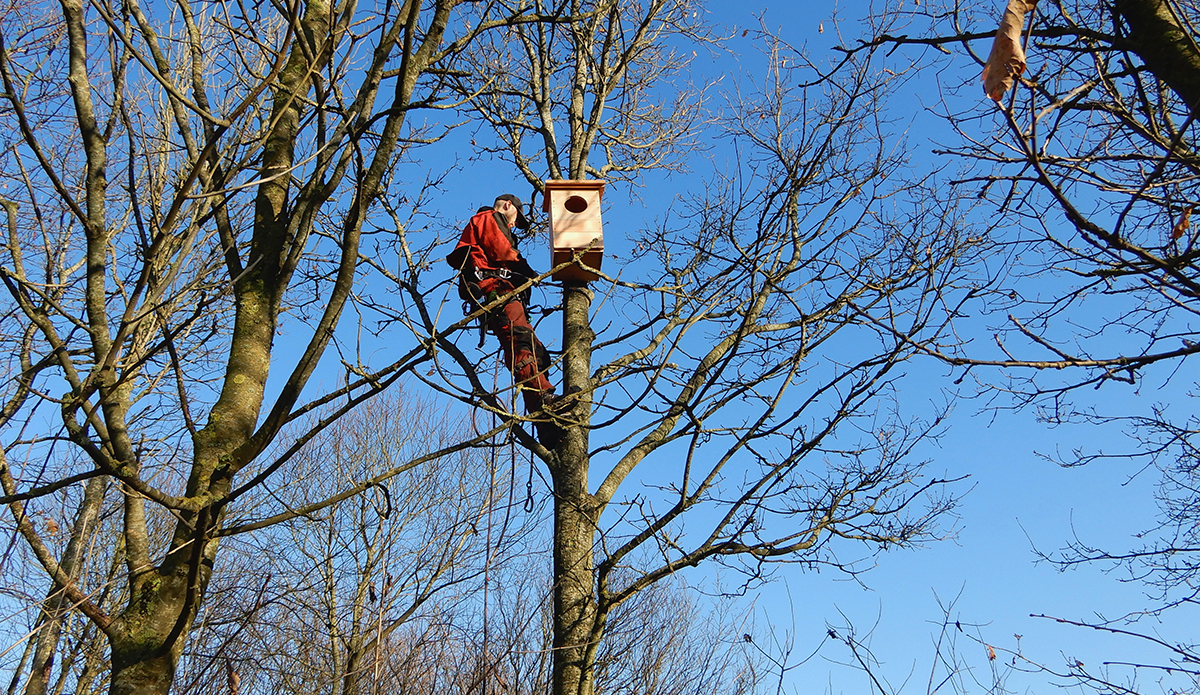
150,633
148,637
575,512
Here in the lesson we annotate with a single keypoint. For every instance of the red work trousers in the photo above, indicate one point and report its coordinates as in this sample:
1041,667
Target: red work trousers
519,345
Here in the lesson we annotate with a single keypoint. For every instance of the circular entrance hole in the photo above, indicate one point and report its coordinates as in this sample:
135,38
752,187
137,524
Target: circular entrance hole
576,204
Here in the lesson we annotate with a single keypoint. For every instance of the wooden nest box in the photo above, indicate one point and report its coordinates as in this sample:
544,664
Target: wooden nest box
575,227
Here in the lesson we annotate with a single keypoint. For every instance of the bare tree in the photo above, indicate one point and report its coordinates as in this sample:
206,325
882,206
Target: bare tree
183,185
187,186
1088,171
734,388
434,582
320,603
1093,156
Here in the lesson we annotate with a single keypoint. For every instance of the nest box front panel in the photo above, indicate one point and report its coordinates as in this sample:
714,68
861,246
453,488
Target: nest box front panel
575,219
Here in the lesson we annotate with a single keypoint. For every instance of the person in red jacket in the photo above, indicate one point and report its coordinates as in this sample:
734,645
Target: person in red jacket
491,266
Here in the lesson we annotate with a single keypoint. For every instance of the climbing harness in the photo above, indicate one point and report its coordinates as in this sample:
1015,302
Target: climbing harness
474,297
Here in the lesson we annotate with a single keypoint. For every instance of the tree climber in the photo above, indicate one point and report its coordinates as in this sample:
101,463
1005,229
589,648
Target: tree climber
491,267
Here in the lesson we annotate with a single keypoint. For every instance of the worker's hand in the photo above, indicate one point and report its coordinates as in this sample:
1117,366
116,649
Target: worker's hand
521,267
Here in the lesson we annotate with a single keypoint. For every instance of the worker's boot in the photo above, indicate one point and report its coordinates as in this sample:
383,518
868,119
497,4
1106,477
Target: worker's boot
541,408
557,412
550,433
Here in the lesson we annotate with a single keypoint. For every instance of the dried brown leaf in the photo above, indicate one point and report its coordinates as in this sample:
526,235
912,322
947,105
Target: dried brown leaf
1007,59
991,652
1182,225
233,678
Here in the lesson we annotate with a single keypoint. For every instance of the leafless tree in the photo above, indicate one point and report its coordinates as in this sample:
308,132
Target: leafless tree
436,582
1088,172
183,184
1090,163
186,185
734,386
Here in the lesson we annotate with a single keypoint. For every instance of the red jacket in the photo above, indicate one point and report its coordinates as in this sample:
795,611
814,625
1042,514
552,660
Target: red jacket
485,244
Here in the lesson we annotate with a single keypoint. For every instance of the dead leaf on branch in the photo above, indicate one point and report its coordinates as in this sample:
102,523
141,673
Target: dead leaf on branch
1007,59
232,677
991,652
1182,225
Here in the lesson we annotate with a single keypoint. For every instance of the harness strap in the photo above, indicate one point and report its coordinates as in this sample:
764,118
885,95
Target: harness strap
527,361
502,273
